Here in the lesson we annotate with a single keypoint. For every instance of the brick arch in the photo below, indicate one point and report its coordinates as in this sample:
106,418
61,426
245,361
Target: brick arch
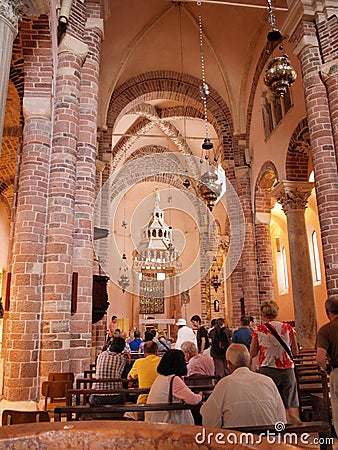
173,86
299,153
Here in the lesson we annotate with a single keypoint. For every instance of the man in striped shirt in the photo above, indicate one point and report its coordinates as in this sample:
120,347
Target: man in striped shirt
110,364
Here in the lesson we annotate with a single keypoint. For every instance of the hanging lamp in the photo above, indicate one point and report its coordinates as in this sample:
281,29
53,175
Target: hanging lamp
279,74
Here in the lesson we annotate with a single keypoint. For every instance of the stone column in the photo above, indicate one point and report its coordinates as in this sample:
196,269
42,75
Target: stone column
293,196
8,31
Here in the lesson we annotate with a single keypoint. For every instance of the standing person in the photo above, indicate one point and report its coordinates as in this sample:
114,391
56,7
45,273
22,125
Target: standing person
275,342
243,398
170,387
184,334
112,327
202,334
327,346
110,364
243,334
219,345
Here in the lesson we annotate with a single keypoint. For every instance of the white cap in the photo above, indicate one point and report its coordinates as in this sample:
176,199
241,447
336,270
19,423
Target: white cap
181,322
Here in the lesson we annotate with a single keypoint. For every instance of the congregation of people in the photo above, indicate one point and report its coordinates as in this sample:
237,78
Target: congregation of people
254,365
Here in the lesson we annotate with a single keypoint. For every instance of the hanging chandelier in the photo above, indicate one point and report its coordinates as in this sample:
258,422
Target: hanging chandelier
209,189
123,279
279,74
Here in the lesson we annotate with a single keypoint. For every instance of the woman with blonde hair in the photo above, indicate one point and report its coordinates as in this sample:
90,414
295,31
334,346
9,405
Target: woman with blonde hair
275,343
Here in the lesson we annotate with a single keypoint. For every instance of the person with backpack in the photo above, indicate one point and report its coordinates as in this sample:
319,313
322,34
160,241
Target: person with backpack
220,341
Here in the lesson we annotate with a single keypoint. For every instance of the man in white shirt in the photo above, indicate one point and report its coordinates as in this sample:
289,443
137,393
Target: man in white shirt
184,334
242,398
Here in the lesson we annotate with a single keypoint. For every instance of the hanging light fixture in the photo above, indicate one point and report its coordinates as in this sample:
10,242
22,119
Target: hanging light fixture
279,74
123,279
209,188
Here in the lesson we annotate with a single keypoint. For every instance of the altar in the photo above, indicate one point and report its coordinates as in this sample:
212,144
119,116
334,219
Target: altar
158,324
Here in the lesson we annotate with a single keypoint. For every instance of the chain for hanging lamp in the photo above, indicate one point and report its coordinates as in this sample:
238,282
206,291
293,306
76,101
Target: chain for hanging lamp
209,188
123,280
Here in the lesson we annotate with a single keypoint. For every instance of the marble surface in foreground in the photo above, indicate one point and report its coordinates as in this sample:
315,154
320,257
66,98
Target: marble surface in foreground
116,435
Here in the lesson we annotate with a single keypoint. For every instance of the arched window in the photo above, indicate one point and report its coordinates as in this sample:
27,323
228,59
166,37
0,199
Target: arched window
274,108
281,267
317,272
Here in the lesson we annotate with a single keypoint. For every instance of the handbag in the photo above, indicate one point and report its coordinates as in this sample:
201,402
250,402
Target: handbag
180,417
279,339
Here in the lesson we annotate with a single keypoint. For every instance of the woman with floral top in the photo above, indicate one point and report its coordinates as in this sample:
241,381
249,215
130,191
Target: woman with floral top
274,359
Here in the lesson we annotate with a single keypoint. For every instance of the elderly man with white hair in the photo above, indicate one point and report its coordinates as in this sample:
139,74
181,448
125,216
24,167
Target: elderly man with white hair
243,398
197,364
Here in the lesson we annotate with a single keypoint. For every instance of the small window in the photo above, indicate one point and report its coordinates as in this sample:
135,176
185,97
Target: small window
281,267
274,108
318,274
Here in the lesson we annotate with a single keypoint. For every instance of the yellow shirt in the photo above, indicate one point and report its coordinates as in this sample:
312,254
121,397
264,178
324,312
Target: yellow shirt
145,369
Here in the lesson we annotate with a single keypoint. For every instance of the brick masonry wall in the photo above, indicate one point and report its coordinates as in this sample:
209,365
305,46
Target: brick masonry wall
322,144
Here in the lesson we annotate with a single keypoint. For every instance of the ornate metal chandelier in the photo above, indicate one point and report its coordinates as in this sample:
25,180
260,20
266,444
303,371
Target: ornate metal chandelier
123,280
279,74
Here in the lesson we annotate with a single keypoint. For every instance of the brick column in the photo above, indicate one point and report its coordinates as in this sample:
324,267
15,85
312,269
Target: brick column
293,196
8,31
248,258
322,144
329,72
264,257
56,329
22,335
84,199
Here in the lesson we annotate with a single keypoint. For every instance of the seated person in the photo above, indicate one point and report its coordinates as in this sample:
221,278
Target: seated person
169,387
135,343
242,398
148,337
145,369
163,344
110,364
197,364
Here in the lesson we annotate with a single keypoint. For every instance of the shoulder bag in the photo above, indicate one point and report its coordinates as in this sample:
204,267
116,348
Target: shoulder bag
279,339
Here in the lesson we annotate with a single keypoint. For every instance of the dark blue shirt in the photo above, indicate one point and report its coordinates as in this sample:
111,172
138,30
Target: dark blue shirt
242,336
134,344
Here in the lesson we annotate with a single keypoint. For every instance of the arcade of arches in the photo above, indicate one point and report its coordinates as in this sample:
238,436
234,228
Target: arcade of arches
102,124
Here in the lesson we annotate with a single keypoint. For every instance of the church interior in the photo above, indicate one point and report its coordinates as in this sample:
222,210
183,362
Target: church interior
160,159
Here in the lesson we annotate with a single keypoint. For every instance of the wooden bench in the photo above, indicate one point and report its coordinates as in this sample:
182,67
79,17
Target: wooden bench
78,412
81,396
323,429
310,381
83,383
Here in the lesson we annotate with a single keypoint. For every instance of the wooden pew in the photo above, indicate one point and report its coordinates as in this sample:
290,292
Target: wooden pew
310,381
78,412
323,429
81,396
83,383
